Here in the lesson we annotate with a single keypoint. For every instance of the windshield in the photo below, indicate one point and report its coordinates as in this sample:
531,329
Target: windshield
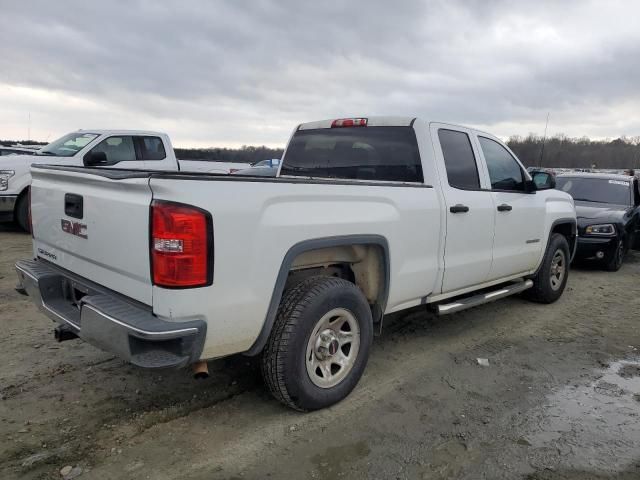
68,145
600,190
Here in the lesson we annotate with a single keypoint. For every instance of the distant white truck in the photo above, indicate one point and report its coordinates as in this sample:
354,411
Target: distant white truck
128,149
367,216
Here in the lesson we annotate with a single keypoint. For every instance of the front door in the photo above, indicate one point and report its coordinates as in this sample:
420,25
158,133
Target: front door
469,211
520,216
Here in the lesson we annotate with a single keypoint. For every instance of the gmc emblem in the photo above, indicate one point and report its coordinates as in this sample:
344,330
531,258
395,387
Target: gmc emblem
74,228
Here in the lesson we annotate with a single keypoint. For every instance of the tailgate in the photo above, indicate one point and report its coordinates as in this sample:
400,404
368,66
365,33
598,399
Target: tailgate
94,226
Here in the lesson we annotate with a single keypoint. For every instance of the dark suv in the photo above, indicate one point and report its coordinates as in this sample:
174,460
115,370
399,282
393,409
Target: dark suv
608,210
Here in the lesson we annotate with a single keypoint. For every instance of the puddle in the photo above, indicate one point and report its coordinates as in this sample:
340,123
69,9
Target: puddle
593,427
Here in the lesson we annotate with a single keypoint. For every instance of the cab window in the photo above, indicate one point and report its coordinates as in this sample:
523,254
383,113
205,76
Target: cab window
459,160
151,148
504,171
117,149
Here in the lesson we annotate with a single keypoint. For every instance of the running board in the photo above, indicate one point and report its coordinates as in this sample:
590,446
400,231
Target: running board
474,301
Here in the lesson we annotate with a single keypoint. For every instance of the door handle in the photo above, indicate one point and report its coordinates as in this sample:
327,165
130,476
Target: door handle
459,208
504,208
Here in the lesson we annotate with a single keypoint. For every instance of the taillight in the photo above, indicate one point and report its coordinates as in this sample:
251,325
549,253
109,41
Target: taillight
349,122
181,245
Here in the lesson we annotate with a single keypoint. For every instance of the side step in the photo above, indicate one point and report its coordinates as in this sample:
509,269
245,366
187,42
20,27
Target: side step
474,301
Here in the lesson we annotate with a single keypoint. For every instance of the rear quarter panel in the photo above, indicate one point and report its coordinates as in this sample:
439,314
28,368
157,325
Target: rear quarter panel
255,223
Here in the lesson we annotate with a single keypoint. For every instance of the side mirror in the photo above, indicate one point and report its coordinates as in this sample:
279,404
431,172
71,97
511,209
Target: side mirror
92,159
543,180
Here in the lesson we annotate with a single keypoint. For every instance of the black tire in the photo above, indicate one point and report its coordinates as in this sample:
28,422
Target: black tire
284,358
544,290
21,213
614,262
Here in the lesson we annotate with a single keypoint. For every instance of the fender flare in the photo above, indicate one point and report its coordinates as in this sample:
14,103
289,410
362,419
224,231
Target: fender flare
574,230
314,244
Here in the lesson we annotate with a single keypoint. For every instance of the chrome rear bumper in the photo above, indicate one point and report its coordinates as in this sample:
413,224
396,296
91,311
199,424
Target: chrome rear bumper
108,320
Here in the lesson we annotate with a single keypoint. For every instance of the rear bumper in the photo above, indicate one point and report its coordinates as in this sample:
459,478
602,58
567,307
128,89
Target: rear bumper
108,320
7,205
588,247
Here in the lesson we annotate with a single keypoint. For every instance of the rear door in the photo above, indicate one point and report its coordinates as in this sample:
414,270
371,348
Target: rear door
469,207
94,226
520,216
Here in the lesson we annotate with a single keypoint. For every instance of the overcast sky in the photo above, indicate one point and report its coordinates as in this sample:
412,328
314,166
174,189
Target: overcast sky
214,73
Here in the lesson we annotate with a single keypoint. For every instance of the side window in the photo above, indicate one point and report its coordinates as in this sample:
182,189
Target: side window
504,171
459,160
117,149
151,148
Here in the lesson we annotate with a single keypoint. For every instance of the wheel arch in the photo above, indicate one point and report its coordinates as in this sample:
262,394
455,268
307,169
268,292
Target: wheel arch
23,193
308,247
568,227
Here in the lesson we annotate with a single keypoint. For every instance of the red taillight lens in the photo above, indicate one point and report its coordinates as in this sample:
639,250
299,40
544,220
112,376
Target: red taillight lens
349,122
181,245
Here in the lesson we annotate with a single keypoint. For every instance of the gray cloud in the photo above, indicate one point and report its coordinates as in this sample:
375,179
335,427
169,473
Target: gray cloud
229,73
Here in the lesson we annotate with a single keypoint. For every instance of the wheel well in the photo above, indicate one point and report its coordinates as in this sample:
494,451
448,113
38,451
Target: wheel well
21,195
568,230
362,264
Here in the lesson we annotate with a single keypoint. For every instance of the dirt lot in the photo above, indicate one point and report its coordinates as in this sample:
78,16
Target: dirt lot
560,399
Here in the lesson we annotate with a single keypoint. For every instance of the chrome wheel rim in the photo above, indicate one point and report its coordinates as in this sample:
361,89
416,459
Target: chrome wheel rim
558,269
332,348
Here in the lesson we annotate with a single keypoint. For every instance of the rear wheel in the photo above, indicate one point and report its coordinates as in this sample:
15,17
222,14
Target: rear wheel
319,344
551,278
21,213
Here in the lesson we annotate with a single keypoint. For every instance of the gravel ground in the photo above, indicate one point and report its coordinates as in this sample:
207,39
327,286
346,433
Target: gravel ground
560,399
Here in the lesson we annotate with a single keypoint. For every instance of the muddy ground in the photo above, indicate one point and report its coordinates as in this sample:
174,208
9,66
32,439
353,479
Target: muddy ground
560,399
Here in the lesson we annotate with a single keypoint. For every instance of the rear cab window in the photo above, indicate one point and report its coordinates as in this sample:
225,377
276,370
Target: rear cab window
357,153
151,148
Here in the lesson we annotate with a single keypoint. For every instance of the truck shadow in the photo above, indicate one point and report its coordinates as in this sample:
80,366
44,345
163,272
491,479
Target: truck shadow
10,227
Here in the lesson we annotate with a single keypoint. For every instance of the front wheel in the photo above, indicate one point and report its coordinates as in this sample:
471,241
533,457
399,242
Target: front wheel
319,344
614,262
551,279
22,213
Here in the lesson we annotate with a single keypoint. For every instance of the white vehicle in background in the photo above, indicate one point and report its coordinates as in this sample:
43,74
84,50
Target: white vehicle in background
16,150
269,163
127,149
365,217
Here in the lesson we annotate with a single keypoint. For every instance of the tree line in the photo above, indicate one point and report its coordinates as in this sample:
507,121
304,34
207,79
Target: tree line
562,151
245,154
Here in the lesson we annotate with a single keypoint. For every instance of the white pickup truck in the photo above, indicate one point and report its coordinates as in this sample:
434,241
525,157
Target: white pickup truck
129,149
366,217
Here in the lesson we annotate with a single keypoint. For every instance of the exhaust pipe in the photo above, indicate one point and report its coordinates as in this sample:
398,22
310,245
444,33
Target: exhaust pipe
200,370
64,332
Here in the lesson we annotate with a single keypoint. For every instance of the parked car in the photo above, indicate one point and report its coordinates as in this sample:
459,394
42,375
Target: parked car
269,163
608,210
366,217
130,149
